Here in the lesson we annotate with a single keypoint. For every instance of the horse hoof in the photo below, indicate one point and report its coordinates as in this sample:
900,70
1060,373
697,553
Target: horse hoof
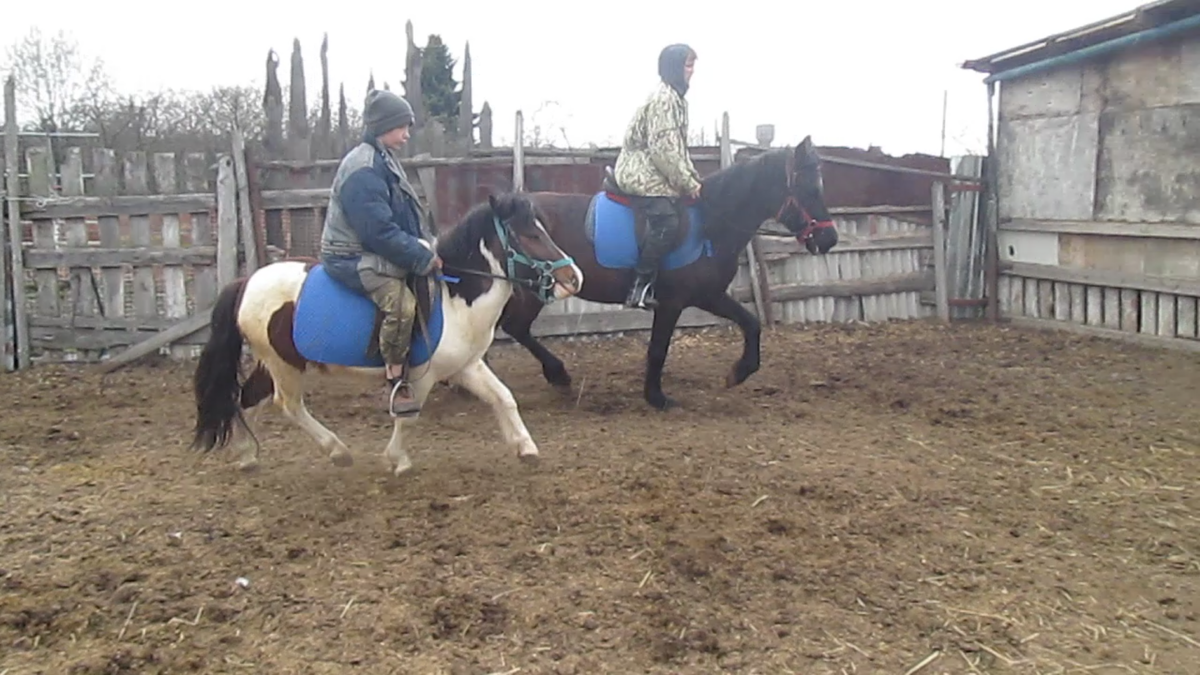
661,402
559,379
248,466
530,458
402,468
527,452
342,459
738,374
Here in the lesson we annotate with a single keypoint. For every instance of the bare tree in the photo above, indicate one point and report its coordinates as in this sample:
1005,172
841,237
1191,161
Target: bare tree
55,81
546,127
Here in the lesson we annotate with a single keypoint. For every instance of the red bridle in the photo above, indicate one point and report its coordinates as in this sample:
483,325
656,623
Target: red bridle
811,224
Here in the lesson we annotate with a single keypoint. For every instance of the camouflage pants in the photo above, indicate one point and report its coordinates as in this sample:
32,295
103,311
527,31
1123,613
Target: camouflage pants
399,306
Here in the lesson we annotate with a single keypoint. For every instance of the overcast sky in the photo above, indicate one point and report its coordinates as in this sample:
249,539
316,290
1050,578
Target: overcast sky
849,72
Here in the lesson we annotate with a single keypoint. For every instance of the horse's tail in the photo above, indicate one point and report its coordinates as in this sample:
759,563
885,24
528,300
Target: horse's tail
216,385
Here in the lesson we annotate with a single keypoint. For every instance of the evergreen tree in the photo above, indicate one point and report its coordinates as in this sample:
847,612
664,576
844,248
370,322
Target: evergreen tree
438,88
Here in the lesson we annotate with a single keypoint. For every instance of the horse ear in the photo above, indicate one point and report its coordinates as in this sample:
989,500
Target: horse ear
494,203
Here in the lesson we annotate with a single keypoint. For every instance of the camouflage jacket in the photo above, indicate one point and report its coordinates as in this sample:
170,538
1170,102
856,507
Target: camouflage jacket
654,160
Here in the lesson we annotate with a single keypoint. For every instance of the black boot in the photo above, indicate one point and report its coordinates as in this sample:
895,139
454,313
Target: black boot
641,296
661,218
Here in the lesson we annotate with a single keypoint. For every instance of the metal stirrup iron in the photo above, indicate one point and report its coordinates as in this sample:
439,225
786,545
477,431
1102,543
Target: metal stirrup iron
400,382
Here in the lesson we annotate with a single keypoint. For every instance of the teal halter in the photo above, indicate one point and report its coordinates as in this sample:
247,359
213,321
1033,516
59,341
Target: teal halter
544,268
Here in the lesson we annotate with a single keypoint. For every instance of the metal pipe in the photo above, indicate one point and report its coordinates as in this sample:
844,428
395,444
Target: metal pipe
1141,37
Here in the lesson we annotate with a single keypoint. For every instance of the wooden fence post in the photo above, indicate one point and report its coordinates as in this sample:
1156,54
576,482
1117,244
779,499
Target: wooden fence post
941,290
16,268
227,222
519,154
245,215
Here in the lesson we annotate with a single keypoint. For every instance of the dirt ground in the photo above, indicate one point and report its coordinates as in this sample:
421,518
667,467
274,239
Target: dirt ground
996,500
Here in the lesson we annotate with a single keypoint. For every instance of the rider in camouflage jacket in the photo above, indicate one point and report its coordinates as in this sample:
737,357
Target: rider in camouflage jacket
654,165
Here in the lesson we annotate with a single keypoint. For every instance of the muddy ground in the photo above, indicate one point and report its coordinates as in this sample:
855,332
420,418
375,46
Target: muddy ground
998,500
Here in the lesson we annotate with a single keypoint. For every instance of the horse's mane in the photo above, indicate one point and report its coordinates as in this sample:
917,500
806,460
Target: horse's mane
462,241
726,190
459,248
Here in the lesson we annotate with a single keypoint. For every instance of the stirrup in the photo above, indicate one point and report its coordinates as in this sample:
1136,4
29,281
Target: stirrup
643,300
410,409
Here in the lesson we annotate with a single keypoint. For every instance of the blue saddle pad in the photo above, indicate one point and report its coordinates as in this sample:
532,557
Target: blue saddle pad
334,325
610,224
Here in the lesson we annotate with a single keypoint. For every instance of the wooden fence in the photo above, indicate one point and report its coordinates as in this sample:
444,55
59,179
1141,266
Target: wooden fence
115,257
109,263
1084,277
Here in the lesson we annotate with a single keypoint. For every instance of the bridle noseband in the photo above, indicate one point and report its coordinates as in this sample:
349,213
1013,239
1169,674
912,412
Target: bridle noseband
514,256
811,224
544,268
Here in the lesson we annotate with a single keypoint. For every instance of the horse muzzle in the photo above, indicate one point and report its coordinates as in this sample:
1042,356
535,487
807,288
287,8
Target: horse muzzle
568,281
819,237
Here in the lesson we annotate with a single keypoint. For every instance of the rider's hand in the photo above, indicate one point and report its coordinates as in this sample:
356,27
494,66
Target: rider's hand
437,262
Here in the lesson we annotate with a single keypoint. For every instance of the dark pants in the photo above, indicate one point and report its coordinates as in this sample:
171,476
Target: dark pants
663,216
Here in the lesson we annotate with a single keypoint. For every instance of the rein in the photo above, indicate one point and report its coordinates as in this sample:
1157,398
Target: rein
545,281
811,224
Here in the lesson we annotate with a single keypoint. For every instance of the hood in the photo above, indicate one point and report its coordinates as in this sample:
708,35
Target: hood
670,66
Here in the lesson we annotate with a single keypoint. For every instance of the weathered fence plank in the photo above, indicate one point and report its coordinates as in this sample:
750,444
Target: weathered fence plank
195,168
123,205
174,290
245,215
227,228
105,184
136,182
82,296
13,314
41,179
938,200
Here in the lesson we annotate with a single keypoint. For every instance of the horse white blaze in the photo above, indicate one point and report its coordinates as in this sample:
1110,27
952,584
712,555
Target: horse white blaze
561,292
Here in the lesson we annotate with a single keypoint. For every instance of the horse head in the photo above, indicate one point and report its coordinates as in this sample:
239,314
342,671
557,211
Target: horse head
523,242
804,213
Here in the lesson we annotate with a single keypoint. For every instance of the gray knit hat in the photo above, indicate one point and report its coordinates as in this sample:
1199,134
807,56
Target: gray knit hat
385,111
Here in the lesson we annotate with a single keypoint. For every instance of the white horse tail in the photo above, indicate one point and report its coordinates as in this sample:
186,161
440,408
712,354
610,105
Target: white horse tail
216,381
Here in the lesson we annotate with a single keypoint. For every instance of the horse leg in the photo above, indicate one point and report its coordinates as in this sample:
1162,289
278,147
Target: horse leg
727,308
517,322
248,457
397,458
553,368
256,394
289,395
477,378
665,318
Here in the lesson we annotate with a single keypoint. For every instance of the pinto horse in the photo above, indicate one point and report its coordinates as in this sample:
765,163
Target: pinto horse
600,233
297,319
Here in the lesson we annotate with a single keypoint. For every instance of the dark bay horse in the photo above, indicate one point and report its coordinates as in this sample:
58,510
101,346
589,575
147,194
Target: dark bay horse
600,234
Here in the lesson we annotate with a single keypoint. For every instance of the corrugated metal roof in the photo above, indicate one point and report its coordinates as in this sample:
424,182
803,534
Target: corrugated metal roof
1142,18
